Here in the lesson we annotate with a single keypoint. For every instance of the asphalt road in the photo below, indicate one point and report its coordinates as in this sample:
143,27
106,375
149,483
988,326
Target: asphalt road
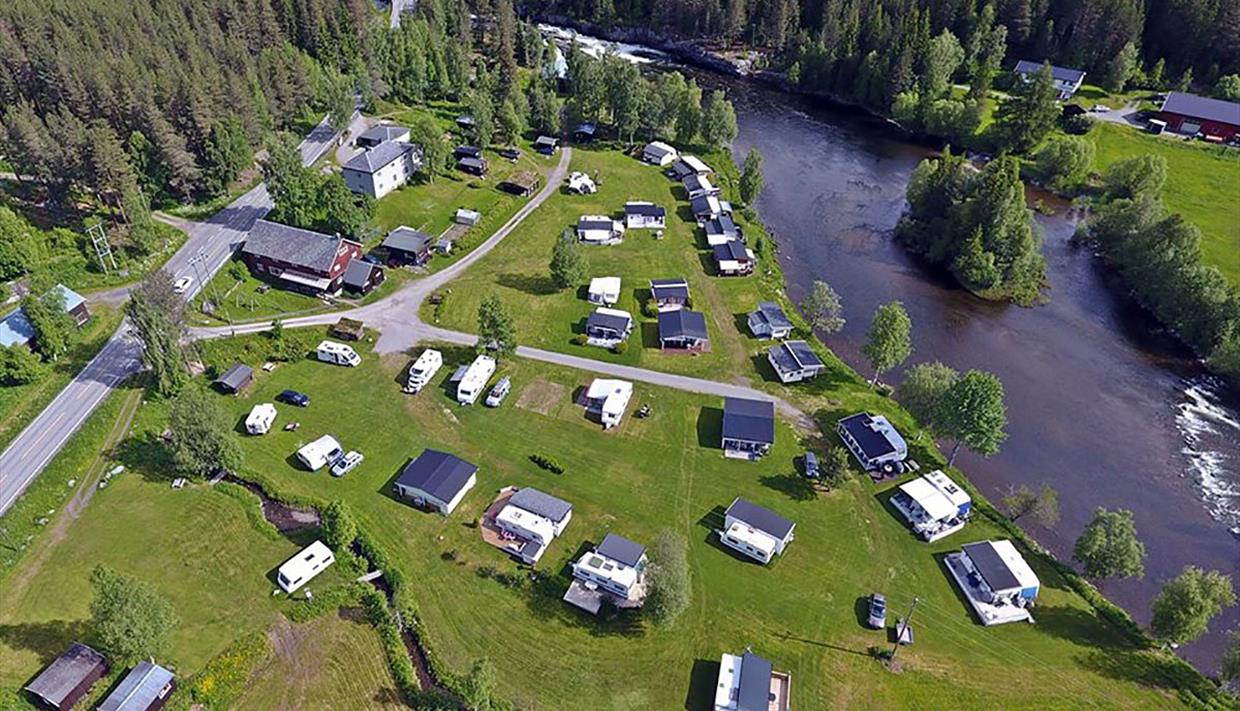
207,248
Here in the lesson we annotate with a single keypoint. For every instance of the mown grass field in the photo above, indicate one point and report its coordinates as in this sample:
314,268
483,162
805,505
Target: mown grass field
1202,185
665,472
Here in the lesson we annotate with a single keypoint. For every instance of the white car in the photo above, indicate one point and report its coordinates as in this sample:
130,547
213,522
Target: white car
347,463
181,285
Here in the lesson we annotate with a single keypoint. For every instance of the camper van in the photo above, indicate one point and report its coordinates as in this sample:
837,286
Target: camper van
338,353
475,380
423,369
301,568
320,453
260,418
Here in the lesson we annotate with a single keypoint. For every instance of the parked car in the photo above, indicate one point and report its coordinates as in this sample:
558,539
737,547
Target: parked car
181,285
293,397
810,462
347,463
499,392
878,611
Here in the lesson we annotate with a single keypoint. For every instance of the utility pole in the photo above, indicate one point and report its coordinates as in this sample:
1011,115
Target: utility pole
900,629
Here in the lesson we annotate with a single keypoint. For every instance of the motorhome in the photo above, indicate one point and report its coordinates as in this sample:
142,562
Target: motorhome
474,382
338,353
301,568
423,369
320,453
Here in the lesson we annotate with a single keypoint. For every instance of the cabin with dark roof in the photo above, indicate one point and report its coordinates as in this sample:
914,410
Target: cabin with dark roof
436,480
748,427
362,276
769,321
734,259
65,681
546,145
523,183
1189,114
874,441
750,683
644,215
584,133
607,327
299,260
382,133
670,294
1066,80
235,378
473,166
145,688
683,329
407,246
795,361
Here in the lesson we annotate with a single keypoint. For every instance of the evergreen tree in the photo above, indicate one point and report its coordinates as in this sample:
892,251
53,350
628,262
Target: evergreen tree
291,186
202,440
751,177
227,154
568,265
1120,68
157,314
1029,114
718,120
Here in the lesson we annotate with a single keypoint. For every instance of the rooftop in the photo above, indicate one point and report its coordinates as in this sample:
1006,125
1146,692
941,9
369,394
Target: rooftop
749,420
383,133
613,319
439,474
760,518
876,436
795,355
407,239
682,323
648,209
662,289
1001,565
377,158
541,504
358,272
731,251
1064,74
141,687
304,248
236,377
55,683
772,314
621,550
1202,107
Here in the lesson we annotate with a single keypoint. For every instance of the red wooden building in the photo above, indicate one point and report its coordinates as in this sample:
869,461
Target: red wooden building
1190,114
297,259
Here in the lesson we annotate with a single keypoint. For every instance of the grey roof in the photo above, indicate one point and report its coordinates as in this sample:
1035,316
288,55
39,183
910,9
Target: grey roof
731,250
662,289
1064,74
621,549
722,225
772,314
140,688
584,224
1202,107
644,208
540,504
991,566
610,321
16,329
760,517
584,128
754,693
407,239
701,205
873,444
305,248
439,474
749,420
795,355
236,377
358,272
468,151
375,159
476,163
695,182
55,683
383,133
658,150
682,324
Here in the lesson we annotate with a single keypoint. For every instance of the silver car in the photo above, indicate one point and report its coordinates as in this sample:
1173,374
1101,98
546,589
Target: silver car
878,611
347,463
499,392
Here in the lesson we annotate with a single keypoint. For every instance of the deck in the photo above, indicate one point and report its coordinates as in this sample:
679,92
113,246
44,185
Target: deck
781,691
987,613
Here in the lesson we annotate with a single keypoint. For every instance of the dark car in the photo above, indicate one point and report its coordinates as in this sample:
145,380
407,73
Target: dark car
293,397
810,462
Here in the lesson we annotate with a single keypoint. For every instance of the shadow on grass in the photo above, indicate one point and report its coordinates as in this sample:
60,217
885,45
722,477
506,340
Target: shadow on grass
789,637
47,640
861,610
1080,626
710,428
1147,669
713,520
794,486
525,283
765,370
147,454
702,678
544,599
650,334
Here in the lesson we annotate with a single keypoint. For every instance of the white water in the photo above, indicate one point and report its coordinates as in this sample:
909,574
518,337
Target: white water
1210,429
596,47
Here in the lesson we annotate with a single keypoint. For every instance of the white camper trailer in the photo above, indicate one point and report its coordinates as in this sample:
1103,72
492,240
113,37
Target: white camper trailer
260,418
474,382
320,453
338,353
301,568
423,369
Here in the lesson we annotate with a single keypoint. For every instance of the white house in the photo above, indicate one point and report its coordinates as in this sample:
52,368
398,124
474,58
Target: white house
301,568
423,369
604,290
607,327
337,353
1067,81
320,452
734,259
436,480
607,399
644,215
755,531
534,519
475,380
934,505
873,440
382,169
259,420
599,229
721,229
769,321
658,153
750,683
996,580
615,571
699,186
581,184
794,361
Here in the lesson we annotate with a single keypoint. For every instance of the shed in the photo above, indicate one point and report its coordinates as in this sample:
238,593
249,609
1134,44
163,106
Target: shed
405,245
682,328
235,378
145,688
584,133
546,145
467,217
65,681
473,166
523,183
437,479
349,329
361,277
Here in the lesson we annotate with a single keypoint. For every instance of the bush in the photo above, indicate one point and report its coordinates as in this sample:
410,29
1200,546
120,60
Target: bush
671,590
219,683
547,463
650,308
328,601
620,347
1077,125
339,526
580,339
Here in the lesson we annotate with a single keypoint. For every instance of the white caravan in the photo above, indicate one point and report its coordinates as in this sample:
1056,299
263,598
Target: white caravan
423,369
301,568
338,353
320,453
260,418
475,380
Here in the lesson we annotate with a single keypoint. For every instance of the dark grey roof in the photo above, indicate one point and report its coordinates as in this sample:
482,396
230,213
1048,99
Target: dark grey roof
358,272
475,163
407,239
236,377
760,517
722,225
140,688
754,692
653,149
731,250
682,324
468,151
540,504
749,420
621,549
305,248
773,315
662,289
439,474
55,683
584,224
383,133
1063,74
377,158
1202,107
610,321
587,128
644,208
873,444
695,182
795,355
701,205
991,567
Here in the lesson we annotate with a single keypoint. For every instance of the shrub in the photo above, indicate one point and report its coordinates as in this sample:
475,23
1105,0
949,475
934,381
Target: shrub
339,526
650,308
219,683
670,587
580,339
620,348
547,463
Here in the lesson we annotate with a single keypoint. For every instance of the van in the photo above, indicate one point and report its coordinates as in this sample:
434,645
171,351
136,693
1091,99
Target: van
499,392
475,380
301,568
423,369
338,354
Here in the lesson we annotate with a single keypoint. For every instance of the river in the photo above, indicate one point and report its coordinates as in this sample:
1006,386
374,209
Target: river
1102,404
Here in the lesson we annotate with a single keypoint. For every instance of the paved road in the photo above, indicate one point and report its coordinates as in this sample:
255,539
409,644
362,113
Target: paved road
207,248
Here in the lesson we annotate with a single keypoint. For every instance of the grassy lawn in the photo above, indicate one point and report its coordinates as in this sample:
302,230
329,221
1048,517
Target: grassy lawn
666,472
240,299
1201,184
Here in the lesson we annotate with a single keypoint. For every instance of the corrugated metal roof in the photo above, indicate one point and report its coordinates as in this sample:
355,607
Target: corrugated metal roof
1202,107
306,248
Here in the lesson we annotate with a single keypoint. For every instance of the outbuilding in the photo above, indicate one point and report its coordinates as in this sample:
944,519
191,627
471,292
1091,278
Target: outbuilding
473,166
361,277
756,531
523,183
436,480
658,153
145,688
769,321
604,291
235,378
699,186
708,207
607,399
748,427
467,217
689,165
584,133
407,246
546,145
670,294
873,440
795,361
683,329
382,133
65,681
1190,114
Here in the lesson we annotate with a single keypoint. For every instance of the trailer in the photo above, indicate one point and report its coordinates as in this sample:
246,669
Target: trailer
258,422
338,354
475,380
320,453
301,568
423,369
